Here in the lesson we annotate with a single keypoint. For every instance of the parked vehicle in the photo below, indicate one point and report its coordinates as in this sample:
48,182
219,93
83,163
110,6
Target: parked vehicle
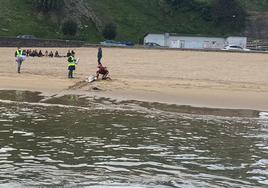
115,43
26,37
235,48
152,44
128,43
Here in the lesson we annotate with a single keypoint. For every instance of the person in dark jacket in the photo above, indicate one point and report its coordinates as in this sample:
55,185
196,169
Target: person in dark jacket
99,56
69,53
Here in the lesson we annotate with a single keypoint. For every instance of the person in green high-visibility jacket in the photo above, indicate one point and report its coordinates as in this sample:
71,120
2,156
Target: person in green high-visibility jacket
19,58
71,65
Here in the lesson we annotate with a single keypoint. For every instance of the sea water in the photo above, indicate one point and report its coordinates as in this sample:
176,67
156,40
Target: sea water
74,141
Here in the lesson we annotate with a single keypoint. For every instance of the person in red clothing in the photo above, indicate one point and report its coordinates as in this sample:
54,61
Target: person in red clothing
103,71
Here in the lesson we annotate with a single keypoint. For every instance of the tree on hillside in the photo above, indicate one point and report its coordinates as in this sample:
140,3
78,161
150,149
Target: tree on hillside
178,4
229,12
110,31
48,5
69,27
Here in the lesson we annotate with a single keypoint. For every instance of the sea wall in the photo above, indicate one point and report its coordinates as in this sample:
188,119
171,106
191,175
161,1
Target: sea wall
15,42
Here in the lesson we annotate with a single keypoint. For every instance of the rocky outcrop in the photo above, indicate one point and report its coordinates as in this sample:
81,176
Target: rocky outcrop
81,10
257,25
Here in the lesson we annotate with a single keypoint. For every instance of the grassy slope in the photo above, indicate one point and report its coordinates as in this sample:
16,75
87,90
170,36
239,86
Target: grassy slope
18,18
134,18
250,5
255,5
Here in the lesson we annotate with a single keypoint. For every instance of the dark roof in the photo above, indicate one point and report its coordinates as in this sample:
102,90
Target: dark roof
193,35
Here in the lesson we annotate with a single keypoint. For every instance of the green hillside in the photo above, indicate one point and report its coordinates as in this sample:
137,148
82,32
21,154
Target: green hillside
19,18
133,18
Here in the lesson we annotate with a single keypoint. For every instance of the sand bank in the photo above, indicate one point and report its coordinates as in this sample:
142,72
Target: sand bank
203,79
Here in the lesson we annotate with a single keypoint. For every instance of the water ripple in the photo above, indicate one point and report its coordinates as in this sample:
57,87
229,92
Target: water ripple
121,145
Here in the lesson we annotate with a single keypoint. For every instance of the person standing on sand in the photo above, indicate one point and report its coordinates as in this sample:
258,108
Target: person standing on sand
99,55
69,53
71,64
19,58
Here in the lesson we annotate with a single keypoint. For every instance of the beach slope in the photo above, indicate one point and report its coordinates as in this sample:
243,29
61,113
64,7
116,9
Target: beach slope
202,79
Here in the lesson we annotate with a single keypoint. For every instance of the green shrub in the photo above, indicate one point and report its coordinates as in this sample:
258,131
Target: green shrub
180,4
110,31
229,13
69,27
48,5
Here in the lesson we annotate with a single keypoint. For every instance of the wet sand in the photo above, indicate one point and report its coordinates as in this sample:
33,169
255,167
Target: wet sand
201,79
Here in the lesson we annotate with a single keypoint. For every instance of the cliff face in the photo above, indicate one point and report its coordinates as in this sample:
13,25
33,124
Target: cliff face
257,25
133,18
81,10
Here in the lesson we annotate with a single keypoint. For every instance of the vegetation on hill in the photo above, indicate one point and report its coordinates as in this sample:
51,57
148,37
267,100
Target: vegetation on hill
47,5
19,18
132,19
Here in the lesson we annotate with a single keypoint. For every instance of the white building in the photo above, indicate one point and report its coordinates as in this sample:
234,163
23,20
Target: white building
194,42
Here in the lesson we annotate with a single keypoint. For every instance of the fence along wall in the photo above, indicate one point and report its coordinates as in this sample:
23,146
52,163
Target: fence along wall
15,42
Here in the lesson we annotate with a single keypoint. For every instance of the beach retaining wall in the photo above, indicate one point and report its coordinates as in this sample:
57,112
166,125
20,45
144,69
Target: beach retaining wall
15,42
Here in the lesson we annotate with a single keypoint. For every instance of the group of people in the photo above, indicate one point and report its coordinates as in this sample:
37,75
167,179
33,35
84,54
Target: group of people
101,69
36,53
72,60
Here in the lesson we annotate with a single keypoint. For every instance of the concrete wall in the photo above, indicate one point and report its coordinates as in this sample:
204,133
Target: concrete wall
196,42
15,42
239,41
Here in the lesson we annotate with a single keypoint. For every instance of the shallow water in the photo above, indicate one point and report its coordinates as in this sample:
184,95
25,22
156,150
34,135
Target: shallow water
74,141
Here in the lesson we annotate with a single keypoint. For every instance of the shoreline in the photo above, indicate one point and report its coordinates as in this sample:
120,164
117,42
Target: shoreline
184,78
193,96
62,100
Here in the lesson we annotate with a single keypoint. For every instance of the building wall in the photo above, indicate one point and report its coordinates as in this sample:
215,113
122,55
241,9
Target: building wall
156,38
196,42
239,41
192,42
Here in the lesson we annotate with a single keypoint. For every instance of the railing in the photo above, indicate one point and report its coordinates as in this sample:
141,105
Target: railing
255,44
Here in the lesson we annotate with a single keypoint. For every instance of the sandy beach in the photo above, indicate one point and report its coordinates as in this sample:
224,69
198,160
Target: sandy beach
201,79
